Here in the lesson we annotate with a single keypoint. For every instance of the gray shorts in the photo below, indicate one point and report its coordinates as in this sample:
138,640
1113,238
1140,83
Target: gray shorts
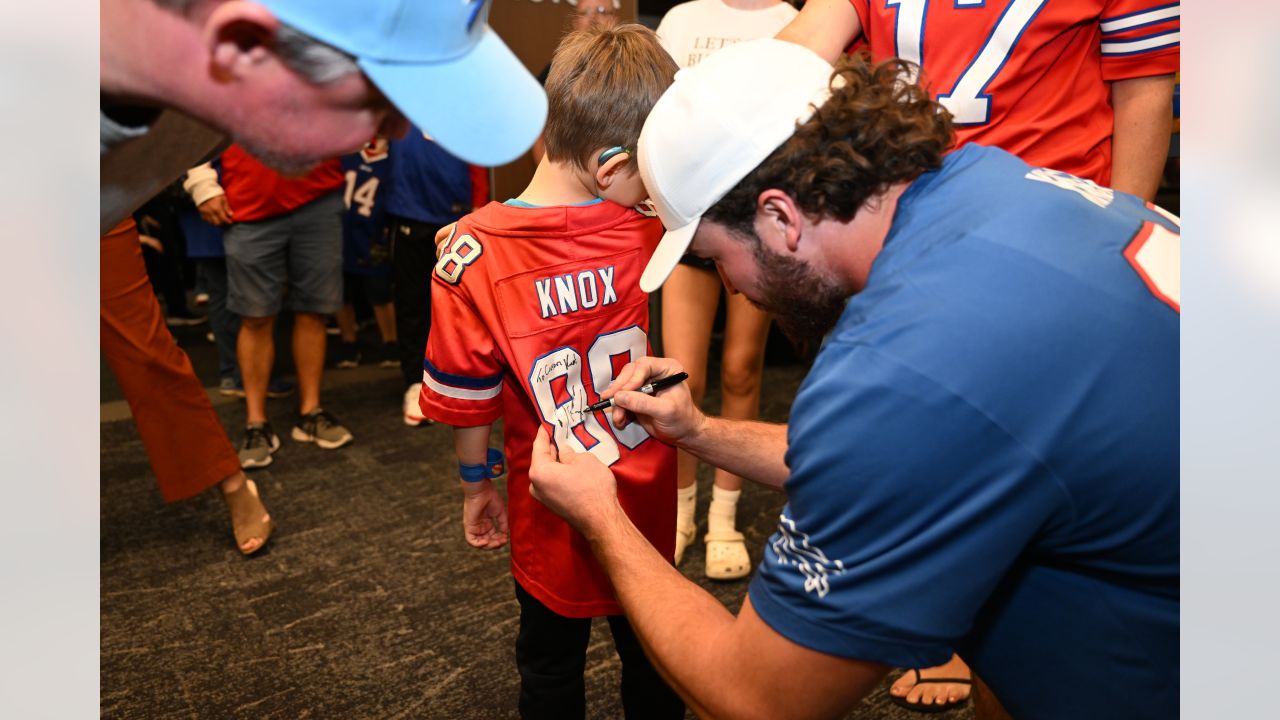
301,250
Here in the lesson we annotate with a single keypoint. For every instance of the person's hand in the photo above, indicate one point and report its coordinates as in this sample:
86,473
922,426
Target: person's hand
216,211
576,486
484,515
442,237
151,241
671,415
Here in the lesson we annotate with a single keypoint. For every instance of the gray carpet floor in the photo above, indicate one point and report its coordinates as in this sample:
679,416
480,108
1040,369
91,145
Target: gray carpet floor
367,603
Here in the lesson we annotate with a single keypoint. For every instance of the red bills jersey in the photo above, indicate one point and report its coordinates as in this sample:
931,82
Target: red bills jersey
256,192
534,311
1030,76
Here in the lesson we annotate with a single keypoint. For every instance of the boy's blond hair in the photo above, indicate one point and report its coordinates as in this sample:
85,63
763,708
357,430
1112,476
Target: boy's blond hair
602,85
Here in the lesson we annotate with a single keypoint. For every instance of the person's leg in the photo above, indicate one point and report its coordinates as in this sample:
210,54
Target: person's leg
644,693
551,654
256,351
308,358
315,291
315,288
413,257
164,266
986,706
378,291
348,351
212,274
185,441
689,299
346,316
746,330
257,268
385,314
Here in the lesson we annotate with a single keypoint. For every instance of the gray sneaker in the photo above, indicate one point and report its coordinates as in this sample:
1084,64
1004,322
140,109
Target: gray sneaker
322,429
259,442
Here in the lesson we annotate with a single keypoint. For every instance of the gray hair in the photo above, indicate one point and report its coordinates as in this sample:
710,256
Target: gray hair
317,62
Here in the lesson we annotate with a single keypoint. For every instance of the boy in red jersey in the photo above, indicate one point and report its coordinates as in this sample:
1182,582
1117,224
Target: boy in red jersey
538,306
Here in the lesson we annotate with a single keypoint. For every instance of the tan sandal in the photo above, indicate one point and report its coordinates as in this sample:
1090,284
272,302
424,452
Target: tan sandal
727,557
244,505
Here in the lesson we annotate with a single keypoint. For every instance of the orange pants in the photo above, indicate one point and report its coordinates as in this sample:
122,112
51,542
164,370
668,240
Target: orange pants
185,441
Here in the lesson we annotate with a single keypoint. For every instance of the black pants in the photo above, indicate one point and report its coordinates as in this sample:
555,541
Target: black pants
413,257
551,652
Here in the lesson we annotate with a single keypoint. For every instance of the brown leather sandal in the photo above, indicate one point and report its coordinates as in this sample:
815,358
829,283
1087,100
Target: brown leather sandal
245,505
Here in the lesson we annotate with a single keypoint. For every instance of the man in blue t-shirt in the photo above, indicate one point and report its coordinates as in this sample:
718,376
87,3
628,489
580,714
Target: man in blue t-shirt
984,457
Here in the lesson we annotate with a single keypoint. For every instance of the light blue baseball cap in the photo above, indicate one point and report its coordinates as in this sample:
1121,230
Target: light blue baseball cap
440,63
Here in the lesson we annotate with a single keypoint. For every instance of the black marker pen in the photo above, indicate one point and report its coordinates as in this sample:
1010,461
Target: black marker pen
651,388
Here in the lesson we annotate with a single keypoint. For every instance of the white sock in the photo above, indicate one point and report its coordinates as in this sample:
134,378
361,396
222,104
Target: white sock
686,504
723,511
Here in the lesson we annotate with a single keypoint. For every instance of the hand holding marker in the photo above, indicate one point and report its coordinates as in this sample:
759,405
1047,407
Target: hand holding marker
649,389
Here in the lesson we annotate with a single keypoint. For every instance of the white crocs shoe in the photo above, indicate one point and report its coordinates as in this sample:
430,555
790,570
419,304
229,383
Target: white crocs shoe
413,416
727,557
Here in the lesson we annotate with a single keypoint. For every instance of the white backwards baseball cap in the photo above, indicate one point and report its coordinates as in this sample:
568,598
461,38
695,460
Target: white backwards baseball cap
440,63
716,123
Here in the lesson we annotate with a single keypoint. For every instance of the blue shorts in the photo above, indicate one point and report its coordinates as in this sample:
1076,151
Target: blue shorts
300,251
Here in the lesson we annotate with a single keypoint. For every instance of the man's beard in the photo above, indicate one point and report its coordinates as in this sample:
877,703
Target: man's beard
287,164
805,302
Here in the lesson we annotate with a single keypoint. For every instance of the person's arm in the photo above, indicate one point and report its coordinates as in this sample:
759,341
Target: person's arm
1143,123
202,185
747,448
484,514
721,665
825,27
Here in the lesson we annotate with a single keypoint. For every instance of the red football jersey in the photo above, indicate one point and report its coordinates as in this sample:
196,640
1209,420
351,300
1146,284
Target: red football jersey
256,192
534,311
1029,76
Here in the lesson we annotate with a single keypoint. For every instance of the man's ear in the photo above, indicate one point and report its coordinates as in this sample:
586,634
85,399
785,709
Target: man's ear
238,35
609,171
778,220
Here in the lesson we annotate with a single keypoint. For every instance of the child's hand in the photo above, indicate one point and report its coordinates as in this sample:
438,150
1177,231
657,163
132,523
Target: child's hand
484,515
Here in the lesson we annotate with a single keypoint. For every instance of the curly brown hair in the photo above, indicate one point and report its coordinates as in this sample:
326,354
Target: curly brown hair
876,129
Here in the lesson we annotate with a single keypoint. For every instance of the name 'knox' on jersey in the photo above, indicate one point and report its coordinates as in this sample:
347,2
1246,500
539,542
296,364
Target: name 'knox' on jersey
572,292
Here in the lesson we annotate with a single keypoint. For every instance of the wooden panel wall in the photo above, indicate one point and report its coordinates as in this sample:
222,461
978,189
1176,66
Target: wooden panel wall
532,29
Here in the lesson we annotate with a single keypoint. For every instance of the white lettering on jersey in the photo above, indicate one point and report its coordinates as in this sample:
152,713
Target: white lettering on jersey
543,287
564,292
1095,194
569,293
587,289
606,277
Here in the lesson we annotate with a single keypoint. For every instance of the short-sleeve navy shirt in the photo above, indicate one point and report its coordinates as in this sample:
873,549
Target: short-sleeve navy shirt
984,458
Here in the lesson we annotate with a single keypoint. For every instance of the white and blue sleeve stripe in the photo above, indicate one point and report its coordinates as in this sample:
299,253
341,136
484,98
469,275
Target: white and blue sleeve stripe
1146,43
460,387
1139,19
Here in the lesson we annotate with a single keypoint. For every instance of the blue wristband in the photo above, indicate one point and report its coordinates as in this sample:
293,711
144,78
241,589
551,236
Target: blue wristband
494,467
